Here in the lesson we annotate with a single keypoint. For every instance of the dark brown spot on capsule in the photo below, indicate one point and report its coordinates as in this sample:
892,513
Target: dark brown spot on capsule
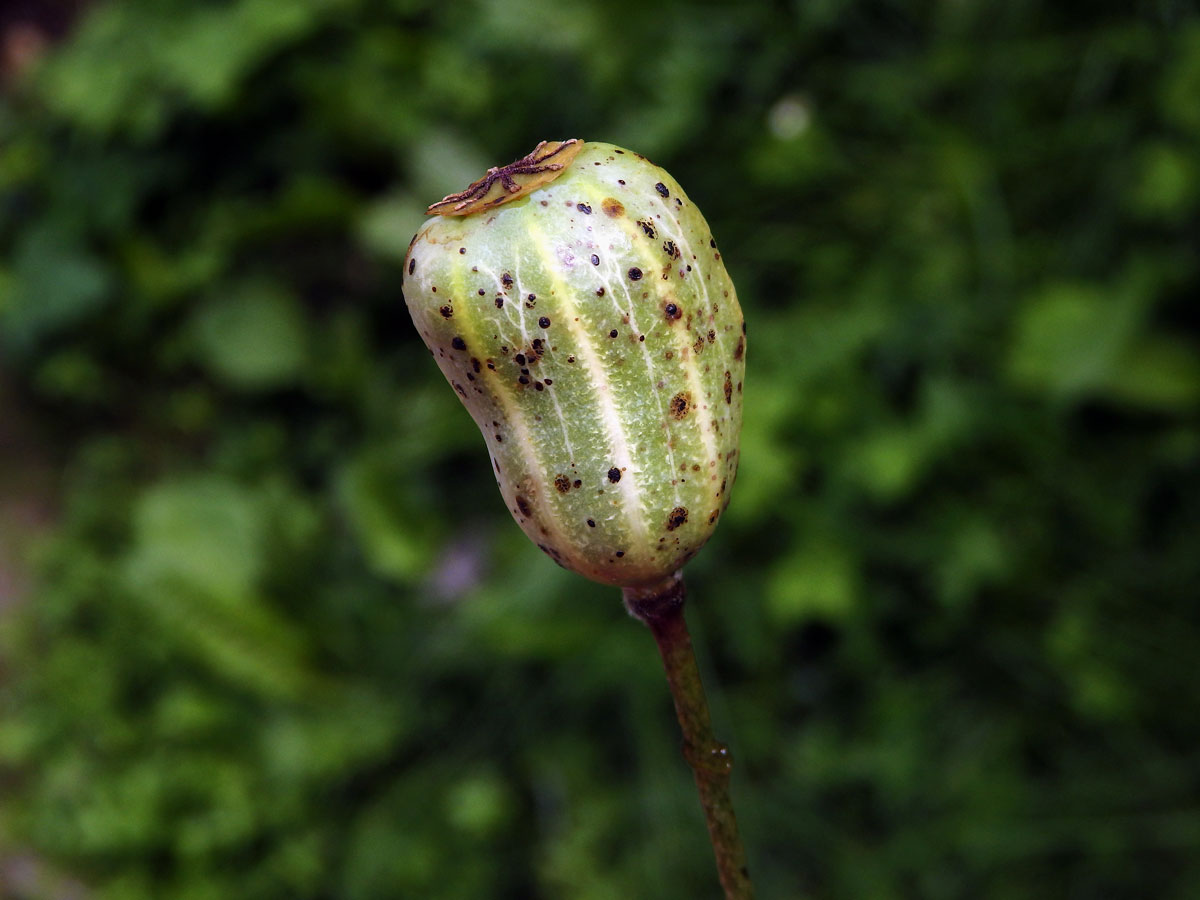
600,292
662,189
613,333
647,228
728,387
523,379
635,274
612,207
562,483
446,311
712,336
462,251
614,474
506,280
539,386
671,250
412,264
712,242
584,208
499,302
672,312
678,516
544,321
578,483
519,359
531,301
474,364
681,404
595,260
591,523
740,350
458,343
620,553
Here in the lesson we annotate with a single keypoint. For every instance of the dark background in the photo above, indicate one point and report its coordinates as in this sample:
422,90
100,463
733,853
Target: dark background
267,630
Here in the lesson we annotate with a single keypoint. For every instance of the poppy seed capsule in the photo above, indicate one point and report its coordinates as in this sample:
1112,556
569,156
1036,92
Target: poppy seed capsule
577,303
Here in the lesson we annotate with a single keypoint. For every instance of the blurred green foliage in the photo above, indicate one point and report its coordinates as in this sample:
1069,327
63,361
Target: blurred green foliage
285,641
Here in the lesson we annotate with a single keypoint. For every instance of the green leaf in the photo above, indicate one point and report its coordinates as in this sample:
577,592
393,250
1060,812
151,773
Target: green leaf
253,338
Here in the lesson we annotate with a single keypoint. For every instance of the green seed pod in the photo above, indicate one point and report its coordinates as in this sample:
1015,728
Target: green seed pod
577,302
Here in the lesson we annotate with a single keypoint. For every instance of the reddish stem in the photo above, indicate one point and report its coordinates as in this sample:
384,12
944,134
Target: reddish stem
661,609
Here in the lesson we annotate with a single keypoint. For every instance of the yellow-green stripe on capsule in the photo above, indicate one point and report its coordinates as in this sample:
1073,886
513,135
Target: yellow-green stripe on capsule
577,302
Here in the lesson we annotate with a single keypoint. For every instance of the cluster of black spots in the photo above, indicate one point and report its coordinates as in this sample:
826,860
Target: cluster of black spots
595,260
647,228
635,274
678,516
584,208
446,311
562,483
614,474
458,343
531,301
712,336
506,280
671,250
662,189
544,321
728,387
681,404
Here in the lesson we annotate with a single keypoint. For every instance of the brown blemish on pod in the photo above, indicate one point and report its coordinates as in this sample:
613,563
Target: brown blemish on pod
612,208
728,387
458,343
678,516
614,474
681,404
562,483
740,350
523,506
447,311
672,311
